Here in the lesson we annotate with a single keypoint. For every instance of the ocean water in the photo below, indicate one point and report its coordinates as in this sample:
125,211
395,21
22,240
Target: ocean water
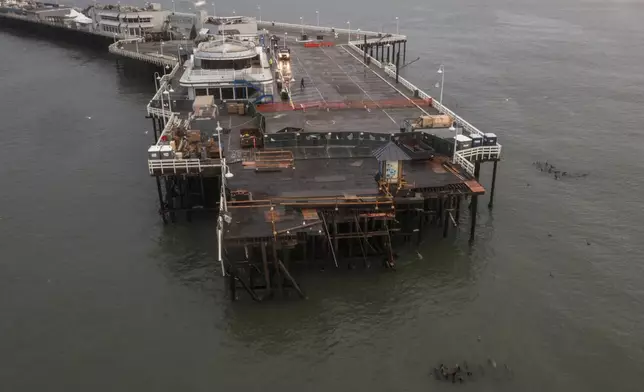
97,294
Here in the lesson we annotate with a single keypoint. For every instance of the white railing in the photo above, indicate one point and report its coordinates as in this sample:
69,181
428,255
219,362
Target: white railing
385,37
174,166
159,112
465,164
157,59
483,152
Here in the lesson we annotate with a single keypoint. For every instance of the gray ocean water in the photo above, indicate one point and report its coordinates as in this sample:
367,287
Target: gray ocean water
97,295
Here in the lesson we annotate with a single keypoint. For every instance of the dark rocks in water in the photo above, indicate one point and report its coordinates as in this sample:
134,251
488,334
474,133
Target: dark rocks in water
557,174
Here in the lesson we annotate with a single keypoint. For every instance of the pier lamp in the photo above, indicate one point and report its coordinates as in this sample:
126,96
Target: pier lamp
453,129
285,34
259,9
157,80
302,24
349,39
317,15
441,70
397,26
228,173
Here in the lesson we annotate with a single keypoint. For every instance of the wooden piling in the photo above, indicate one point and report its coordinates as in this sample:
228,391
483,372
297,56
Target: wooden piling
491,203
267,275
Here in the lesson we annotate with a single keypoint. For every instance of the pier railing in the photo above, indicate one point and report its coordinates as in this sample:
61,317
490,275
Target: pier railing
375,35
163,83
153,58
181,166
462,157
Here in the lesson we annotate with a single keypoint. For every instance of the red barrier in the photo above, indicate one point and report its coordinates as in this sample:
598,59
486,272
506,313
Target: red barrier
311,44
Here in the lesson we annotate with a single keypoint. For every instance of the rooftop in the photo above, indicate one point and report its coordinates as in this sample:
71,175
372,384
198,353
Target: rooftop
226,49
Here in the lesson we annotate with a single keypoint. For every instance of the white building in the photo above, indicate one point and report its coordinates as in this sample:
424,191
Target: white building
180,23
228,68
128,21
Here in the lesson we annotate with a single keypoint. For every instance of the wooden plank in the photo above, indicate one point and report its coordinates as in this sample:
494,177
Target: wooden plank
475,187
310,214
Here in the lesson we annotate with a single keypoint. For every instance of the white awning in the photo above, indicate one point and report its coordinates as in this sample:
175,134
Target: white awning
78,17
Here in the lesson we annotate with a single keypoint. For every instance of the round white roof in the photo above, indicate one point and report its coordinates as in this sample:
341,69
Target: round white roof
225,50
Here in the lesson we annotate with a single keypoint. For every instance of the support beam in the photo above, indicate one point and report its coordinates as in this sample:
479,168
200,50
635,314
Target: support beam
280,281
404,52
473,208
491,203
289,277
267,275
447,204
397,64
161,207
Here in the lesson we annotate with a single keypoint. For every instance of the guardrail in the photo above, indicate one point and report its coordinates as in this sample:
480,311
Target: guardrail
157,59
174,166
159,112
379,36
489,152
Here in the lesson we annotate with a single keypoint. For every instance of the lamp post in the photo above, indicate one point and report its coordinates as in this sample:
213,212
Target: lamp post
349,39
451,128
214,10
317,15
167,93
157,80
441,70
397,26
259,9
161,45
285,33
302,24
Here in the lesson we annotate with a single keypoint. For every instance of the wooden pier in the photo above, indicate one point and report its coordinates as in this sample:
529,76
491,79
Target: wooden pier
314,188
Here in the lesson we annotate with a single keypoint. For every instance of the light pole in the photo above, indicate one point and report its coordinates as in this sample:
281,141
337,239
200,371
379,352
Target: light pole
302,24
214,10
317,15
174,7
285,33
441,70
167,93
157,80
397,26
349,39
451,128
259,9
161,45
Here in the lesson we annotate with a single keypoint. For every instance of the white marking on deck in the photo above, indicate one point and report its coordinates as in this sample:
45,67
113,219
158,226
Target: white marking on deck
360,87
310,78
384,80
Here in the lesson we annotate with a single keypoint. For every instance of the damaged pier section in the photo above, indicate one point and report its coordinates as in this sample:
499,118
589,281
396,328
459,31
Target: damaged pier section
354,164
